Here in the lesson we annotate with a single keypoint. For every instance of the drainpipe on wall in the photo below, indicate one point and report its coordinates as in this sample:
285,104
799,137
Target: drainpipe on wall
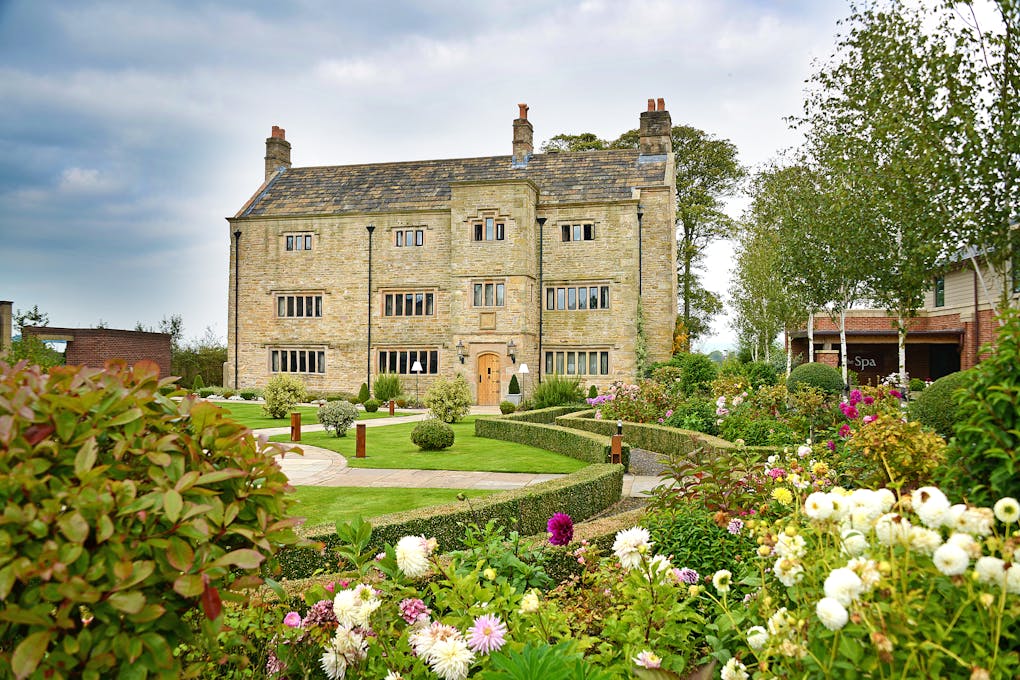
541,295
368,352
237,288
640,278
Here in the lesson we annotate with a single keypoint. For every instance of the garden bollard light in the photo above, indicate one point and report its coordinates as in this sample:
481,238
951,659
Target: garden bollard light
392,404
359,444
295,427
616,449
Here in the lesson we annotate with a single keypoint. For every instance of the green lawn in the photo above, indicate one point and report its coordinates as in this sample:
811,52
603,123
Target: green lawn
326,505
390,447
251,415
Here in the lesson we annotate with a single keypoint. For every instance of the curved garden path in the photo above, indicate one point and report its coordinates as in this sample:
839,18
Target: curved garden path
322,467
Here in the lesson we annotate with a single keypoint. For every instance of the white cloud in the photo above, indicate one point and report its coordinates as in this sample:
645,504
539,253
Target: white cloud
85,180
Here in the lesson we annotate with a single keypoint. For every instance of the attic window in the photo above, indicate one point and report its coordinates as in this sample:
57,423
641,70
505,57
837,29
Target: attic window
489,230
299,241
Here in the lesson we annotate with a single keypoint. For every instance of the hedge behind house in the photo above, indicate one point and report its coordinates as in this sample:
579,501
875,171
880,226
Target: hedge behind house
582,494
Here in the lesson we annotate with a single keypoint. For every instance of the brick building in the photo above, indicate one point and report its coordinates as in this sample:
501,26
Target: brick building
93,347
946,335
470,266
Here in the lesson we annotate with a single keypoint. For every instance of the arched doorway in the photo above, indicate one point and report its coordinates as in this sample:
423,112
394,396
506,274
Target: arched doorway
488,380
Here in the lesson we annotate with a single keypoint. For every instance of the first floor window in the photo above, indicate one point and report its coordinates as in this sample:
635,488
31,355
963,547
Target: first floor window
577,362
409,304
577,232
940,291
489,294
299,305
401,361
297,361
410,237
577,298
489,230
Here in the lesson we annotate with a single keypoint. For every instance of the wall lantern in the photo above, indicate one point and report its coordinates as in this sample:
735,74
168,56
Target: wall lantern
511,350
460,350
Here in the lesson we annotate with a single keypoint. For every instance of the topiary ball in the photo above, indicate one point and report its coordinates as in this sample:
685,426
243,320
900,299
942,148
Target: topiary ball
824,377
371,406
432,435
936,406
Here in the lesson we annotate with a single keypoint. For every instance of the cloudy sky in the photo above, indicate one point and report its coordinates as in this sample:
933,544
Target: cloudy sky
130,129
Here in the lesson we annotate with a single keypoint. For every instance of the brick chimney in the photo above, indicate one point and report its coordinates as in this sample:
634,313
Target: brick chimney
277,151
656,129
6,322
523,139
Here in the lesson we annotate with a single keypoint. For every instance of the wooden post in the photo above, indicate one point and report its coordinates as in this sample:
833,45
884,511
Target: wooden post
392,404
616,449
359,447
295,427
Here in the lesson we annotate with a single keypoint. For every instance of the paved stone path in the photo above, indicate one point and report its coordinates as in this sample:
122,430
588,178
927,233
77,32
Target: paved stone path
322,467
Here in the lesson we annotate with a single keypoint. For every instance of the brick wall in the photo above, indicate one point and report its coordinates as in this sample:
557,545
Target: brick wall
93,347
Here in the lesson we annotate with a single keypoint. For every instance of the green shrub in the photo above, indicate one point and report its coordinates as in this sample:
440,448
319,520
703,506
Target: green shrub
757,431
401,402
507,407
449,400
694,414
169,388
282,393
917,385
986,451
937,408
386,387
514,387
581,495
761,374
197,383
343,396
337,416
127,506
890,452
363,394
555,390
585,446
227,393
822,376
207,392
432,435
371,406
250,394
593,392
690,534
697,374
547,416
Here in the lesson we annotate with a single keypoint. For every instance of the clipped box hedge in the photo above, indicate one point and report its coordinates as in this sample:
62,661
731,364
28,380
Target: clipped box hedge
547,416
582,494
585,446
651,437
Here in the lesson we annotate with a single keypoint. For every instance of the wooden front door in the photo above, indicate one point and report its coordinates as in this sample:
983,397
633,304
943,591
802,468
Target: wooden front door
488,380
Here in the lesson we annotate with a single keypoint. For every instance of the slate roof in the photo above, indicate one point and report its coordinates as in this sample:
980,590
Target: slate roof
418,185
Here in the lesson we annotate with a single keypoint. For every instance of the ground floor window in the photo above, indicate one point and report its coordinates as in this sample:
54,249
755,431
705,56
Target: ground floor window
577,362
401,361
297,361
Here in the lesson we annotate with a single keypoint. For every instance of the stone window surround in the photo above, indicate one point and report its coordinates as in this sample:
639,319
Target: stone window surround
562,303
400,357
399,236
393,293
559,360
280,357
577,231
479,226
289,300
290,241
479,288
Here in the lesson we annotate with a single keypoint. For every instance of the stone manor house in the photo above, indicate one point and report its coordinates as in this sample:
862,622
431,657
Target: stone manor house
476,266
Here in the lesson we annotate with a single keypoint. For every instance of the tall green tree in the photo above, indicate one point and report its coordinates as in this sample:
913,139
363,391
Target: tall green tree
882,120
707,172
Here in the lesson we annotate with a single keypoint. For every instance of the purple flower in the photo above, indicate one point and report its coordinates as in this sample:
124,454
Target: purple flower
292,620
734,526
831,444
413,609
561,529
896,393
686,575
844,431
487,634
869,419
855,397
869,400
776,473
669,413
320,613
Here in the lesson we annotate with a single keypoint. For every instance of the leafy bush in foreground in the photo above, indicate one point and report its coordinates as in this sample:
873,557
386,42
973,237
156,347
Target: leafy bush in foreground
124,511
